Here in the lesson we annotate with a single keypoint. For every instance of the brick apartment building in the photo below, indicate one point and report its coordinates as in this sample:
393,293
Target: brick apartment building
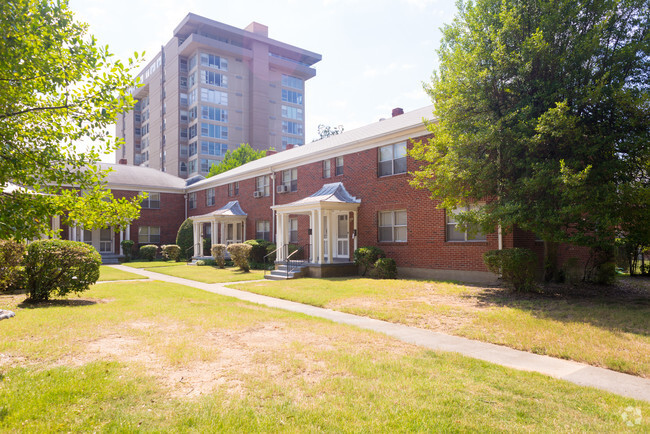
333,195
211,88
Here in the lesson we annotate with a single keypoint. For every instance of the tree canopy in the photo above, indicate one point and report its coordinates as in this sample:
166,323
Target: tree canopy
325,131
242,155
57,87
542,110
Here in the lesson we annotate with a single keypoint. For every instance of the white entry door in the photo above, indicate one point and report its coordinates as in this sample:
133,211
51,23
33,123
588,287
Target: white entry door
101,239
342,236
233,233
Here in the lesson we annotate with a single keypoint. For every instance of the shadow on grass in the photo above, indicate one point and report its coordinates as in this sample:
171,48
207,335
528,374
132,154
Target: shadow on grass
28,304
622,307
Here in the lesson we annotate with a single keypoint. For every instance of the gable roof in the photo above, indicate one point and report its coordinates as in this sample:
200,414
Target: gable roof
231,209
139,178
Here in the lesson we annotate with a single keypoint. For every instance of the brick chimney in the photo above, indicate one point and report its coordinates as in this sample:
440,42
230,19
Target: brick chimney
122,161
271,152
398,111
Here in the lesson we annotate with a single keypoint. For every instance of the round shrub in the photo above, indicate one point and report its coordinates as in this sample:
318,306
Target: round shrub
240,254
11,270
384,268
200,263
127,248
516,266
366,257
59,267
171,252
148,252
219,254
185,239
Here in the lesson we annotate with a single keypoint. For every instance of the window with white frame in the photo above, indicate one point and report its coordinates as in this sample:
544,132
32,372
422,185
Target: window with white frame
209,197
214,113
291,81
214,131
213,61
291,127
454,234
214,79
293,230
339,166
149,234
191,200
213,96
262,185
233,189
152,201
291,112
290,179
392,226
263,230
392,159
327,168
291,96
213,148
206,164
192,166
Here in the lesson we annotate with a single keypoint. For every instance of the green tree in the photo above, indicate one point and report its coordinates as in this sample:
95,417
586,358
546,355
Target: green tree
543,111
242,155
325,131
57,87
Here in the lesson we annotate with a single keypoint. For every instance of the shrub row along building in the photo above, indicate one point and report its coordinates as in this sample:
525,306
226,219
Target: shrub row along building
330,196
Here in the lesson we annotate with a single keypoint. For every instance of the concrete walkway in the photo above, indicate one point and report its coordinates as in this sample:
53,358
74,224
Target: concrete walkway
578,373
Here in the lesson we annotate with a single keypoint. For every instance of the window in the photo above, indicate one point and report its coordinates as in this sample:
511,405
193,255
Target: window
192,131
392,159
191,80
291,112
263,230
192,113
291,96
339,166
290,179
206,164
214,96
214,79
192,63
213,148
290,81
293,230
453,234
327,168
209,197
392,226
291,127
192,148
191,97
214,114
192,166
213,61
291,141
182,167
262,185
233,189
214,131
152,201
149,234
191,200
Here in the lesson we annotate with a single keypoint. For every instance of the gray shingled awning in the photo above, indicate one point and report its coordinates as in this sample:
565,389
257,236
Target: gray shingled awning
231,209
332,194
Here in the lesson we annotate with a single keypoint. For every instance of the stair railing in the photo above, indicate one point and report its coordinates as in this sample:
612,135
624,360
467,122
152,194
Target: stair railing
267,266
292,264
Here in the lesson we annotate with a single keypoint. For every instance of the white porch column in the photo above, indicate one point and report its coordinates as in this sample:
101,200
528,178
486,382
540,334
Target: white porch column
312,238
330,237
72,233
223,233
243,228
81,235
127,235
285,233
213,232
56,226
121,239
321,237
196,238
356,229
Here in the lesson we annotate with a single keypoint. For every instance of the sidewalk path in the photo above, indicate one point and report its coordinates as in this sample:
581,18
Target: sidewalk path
578,373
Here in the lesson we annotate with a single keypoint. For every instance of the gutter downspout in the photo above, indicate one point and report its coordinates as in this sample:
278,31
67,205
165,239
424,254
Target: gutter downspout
273,213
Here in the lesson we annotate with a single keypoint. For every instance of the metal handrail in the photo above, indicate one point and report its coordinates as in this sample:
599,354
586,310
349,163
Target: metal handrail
296,263
188,249
266,270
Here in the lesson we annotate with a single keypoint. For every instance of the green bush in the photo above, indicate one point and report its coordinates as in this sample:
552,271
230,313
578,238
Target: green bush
171,252
219,254
605,273
516,266
58,267
366,257
240,255
185,239
11,270
384,268
270,250
127,249
148,252
200,263
260,248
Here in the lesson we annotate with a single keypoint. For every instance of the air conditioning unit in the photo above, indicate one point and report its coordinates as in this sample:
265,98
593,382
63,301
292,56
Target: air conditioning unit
282,188
258,193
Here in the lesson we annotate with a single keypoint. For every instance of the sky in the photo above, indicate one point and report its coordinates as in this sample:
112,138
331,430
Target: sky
376,53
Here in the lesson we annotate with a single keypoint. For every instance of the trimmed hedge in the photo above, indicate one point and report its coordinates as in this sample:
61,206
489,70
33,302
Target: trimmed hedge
219,254
11,271
127,249
59,267
384,268
148,252
240,255
185,239
171,252
516,266
260,248
366,257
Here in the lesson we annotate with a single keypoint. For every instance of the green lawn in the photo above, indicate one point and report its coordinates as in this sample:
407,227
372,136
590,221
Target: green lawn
611,331
206,273
154,264
107,273
152,356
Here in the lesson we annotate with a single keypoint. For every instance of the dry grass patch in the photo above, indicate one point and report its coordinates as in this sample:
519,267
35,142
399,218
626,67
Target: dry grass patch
602,327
